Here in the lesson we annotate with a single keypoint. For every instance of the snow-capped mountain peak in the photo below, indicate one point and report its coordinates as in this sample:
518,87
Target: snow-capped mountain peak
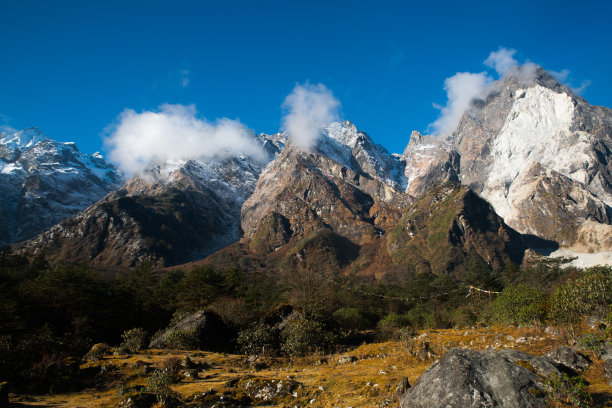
43,181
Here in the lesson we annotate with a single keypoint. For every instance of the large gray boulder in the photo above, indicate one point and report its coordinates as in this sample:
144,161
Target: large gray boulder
481,379
206,328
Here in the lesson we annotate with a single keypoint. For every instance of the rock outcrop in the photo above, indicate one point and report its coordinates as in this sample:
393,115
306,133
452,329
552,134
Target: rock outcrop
466,378
206,327
448,226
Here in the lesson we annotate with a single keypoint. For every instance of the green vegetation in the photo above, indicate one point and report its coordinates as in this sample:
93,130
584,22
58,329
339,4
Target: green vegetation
51,315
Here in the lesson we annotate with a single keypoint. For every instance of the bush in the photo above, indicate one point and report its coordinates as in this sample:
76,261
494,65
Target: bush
590,293
259,338
464,317
394,326
183,339
519,304
159,385
134,340
303,336
567,390
350,319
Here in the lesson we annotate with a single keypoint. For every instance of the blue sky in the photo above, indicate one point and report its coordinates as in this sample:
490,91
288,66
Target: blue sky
72,67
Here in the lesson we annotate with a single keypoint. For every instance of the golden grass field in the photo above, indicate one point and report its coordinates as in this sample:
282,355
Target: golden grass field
370,381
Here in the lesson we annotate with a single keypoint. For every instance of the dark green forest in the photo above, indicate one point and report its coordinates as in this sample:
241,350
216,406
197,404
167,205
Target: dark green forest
52,315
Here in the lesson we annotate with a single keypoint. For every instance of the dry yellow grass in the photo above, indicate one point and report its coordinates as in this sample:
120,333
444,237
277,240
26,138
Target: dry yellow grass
370,381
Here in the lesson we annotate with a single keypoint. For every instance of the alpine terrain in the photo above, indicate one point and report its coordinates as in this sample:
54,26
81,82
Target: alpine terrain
43,182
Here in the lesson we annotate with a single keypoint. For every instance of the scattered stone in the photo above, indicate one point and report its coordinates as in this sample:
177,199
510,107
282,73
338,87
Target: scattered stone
97,352
191,373
252,359
608,370
606,351
142,367
569,358
596,323
521,340
422,350
281,316
267,390
402,387
188,363
347,359
138,400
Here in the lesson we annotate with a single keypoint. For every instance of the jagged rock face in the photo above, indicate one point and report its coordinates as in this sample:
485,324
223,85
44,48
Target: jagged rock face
540,155
546,203
301,193
43,182
173,213
536,151
450,226
428,160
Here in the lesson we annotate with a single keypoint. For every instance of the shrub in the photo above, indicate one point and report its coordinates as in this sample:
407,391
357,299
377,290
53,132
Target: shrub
519,304
567,390
183,339
394,326
349,319
134,340
159,384
303,336
589,293
259,338
464,317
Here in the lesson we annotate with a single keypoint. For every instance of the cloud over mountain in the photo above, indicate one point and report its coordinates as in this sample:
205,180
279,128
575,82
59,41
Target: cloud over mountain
309,108
175,132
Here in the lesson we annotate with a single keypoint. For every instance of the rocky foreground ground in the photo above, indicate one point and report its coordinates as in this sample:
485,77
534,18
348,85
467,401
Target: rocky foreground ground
371,375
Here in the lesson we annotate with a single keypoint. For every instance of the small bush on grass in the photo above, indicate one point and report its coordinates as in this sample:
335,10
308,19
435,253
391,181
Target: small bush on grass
134,340
519,304
259,338
394,327
568,391
183,339
350,319
590,293
159,385
303,336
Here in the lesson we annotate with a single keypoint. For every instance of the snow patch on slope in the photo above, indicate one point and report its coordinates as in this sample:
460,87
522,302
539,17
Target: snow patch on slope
537,129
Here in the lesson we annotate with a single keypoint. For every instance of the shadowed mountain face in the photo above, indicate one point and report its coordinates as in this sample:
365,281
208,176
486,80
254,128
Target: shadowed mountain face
173,213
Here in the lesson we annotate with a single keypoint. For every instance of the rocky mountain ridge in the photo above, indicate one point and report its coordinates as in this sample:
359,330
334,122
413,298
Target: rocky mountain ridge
532,148
171,213
43,182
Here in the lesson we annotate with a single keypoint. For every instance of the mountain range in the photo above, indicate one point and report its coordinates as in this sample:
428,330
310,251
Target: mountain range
527,166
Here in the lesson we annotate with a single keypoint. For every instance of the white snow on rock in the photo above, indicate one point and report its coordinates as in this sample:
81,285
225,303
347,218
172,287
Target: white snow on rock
537,129
42,182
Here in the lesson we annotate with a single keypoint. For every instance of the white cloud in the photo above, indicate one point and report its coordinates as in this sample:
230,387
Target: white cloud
584,85
460,89
175,132
502,61
184,78
4,125
560,76
309,109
